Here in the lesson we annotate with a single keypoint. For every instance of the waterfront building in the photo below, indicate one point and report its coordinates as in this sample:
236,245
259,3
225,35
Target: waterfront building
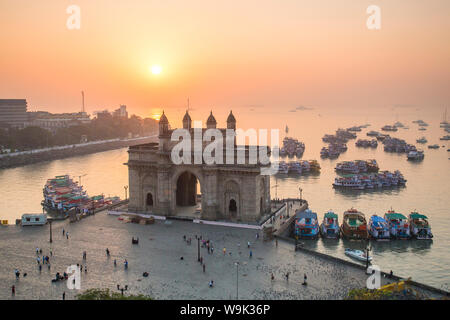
13,113
121,112
230,192
53,122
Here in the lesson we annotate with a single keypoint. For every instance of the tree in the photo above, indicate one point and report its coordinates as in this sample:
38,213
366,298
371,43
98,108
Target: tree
106,294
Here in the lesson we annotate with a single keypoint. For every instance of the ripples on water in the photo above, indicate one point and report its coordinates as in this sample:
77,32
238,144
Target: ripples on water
427,188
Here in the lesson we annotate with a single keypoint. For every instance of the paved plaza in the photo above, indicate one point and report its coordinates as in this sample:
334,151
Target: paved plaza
159,253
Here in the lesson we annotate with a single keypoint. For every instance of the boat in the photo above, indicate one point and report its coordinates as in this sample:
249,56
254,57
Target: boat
329,228
357,254
416,155
378,228
419,226
34,219
373,133
306,224
422,140
314,166
389,128
295,167
445,138
354,225
422,129
433,146
283,167
398,225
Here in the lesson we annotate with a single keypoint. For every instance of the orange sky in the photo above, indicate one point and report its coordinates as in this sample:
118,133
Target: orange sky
225,54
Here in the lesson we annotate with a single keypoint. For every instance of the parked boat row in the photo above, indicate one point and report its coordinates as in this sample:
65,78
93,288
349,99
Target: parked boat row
354,226
298,167
367,143
389,128
415,155
333,150
62,194
397,145
292,147
357,166
383,179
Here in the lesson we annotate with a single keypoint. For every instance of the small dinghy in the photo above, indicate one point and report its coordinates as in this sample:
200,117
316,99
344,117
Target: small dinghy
357,254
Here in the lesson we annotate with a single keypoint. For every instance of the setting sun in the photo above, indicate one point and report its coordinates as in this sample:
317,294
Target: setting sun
156,69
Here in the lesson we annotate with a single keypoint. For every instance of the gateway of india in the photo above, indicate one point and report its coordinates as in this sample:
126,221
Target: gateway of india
228,192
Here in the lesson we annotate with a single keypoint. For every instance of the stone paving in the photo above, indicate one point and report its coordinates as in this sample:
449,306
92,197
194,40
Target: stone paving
159,251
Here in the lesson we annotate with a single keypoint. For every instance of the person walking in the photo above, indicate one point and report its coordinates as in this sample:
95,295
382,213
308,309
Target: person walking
272,277
204,267
115,263
64,295
248,244
107,252
67,235
304,280
224,251
63,231
251,253
13,290
287,276
276,242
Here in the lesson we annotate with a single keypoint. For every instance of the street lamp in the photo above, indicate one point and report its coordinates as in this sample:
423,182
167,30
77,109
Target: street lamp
50,223
126,188
122,289
300,190
237,280
198,248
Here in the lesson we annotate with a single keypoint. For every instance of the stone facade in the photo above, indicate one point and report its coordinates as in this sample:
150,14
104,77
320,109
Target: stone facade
229,192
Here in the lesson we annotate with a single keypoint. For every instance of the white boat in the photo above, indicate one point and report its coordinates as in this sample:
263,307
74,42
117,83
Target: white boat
34,219
416,155
357,254
422,140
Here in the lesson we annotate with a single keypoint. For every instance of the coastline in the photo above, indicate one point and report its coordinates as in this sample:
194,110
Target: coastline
41,155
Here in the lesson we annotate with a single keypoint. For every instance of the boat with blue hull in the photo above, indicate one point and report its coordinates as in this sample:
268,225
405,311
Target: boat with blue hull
398,225
378,228
329,227
306,225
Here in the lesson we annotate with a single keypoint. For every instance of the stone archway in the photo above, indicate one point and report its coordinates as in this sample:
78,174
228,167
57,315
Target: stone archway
187,194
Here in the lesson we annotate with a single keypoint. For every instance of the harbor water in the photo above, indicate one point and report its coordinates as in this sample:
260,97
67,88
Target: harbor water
427,189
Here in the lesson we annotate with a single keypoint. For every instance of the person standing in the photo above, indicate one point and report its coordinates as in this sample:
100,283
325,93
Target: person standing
304,279
224,251
13,290
67,235
64,295
204,267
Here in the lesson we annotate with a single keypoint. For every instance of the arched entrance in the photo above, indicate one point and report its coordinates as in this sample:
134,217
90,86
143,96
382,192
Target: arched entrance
232,208
188,196
149,201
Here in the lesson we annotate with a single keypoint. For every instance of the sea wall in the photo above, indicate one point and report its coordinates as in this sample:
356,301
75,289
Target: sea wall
35,156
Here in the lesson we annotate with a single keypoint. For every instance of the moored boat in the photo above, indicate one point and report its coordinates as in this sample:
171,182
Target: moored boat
415,155
378,228
398,225
329,228
357,254
419,226
354,225
306,224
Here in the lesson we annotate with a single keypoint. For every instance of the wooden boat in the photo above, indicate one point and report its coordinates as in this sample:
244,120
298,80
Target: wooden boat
306,225
419,226
398,225
354,225
330,226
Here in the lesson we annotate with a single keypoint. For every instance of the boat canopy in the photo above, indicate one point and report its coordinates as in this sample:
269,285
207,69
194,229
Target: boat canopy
306,214
417,216
330,215
395,216
376,218
97,197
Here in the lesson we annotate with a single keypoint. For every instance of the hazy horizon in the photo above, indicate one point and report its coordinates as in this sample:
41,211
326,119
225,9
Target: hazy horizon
260,55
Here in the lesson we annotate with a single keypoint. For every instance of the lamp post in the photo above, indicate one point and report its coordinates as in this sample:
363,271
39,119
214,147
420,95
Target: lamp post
237,280
367,255
126,188
122,289
300,190
50,223
198,248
